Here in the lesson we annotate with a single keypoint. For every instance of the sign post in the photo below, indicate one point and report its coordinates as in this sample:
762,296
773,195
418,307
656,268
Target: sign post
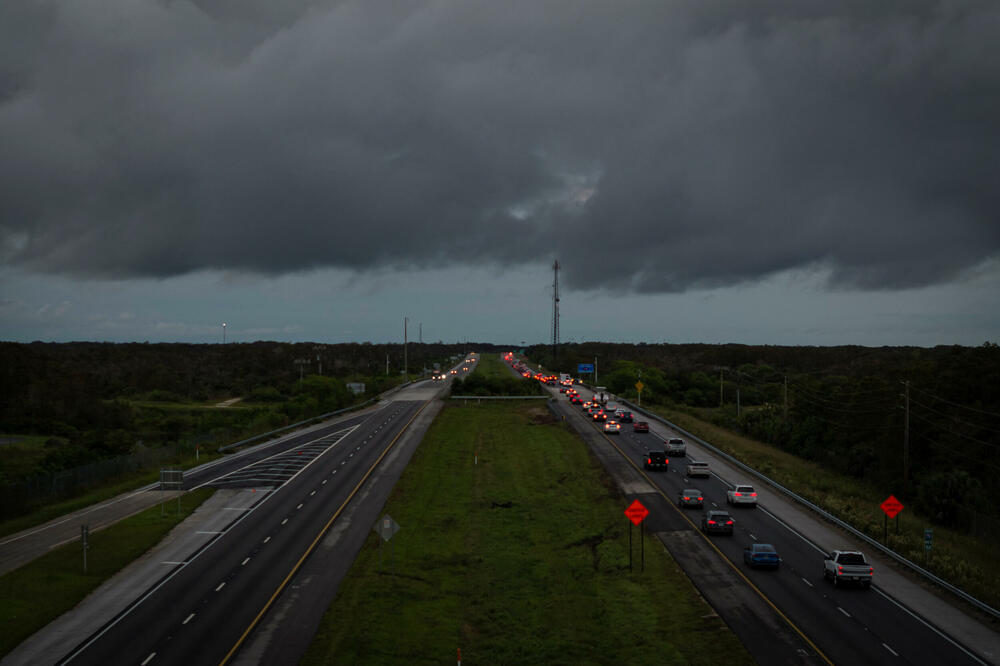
928,542
385,528
891,507
638,387
84,537
636,512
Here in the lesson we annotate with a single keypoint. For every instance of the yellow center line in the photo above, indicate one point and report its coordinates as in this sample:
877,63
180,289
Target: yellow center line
718,550
232,651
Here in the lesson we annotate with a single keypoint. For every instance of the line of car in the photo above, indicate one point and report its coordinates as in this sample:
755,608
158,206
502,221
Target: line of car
839,566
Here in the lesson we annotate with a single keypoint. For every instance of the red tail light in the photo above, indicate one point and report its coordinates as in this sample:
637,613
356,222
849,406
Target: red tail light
737,495
729,522
649,461
753,494
840,569
711,522
700,498
871,570
686,498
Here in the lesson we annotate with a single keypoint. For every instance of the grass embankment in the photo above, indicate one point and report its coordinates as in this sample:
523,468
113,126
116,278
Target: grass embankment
41,591
520,558
961,559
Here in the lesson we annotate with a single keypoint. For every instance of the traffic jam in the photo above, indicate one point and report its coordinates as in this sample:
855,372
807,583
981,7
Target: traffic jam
771,554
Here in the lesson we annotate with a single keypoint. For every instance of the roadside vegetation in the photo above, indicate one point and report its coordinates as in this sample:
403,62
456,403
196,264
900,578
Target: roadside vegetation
492,377
512,549
78,417
47,587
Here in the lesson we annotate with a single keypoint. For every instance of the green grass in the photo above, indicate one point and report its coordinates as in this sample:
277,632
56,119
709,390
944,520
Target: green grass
544,580
491,365
959,558
44,589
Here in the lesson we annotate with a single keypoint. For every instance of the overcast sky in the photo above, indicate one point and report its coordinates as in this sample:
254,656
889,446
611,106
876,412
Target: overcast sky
808,172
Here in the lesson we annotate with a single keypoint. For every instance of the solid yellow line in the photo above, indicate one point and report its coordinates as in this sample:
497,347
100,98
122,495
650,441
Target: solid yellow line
281,587
719,551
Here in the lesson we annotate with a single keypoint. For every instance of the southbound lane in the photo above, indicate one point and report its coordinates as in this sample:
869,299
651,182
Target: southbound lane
203,607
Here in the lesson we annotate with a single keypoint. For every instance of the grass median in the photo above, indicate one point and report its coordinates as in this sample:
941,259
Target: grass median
44,589
512,548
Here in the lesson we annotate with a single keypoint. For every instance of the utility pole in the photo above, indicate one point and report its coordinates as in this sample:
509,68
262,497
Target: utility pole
555,314
595,371
786,397
906,434
406,368
737,402
421,333
720,387
386,365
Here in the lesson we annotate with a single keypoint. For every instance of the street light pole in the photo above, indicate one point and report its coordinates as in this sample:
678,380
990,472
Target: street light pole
223,332
406,369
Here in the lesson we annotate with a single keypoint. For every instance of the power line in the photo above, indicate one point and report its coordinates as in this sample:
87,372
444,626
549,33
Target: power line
954,418
955,404
953,451
817,402
955,432
844,398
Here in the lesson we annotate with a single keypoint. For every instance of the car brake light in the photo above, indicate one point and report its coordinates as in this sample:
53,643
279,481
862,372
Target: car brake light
711,522
871,570
737,495
649,461
700,498
687,498
729,522
753,494
840,570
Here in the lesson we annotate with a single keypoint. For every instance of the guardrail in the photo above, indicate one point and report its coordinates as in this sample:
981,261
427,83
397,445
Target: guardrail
313,419
828,516
500,397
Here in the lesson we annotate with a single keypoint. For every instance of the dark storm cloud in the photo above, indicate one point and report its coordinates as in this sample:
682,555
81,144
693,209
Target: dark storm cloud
659,145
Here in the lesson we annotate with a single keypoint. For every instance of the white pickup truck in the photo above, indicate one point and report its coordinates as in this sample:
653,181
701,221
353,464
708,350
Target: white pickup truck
742,495
842,566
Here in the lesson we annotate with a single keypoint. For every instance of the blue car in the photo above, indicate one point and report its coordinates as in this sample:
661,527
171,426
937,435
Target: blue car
761,555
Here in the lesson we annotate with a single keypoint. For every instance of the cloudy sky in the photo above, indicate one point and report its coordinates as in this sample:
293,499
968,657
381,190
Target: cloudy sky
808,172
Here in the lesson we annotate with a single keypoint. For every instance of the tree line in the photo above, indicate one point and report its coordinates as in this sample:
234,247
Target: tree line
920,422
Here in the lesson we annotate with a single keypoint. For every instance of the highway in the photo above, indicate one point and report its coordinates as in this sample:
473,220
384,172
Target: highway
846,625
205,608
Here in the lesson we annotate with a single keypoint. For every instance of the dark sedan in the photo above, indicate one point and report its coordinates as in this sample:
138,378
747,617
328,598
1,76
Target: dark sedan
717,522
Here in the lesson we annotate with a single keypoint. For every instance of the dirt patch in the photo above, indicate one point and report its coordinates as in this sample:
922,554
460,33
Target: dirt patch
591,542
540,416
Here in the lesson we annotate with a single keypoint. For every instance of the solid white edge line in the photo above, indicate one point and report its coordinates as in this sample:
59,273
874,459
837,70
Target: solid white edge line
932,627
204,550
875,588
